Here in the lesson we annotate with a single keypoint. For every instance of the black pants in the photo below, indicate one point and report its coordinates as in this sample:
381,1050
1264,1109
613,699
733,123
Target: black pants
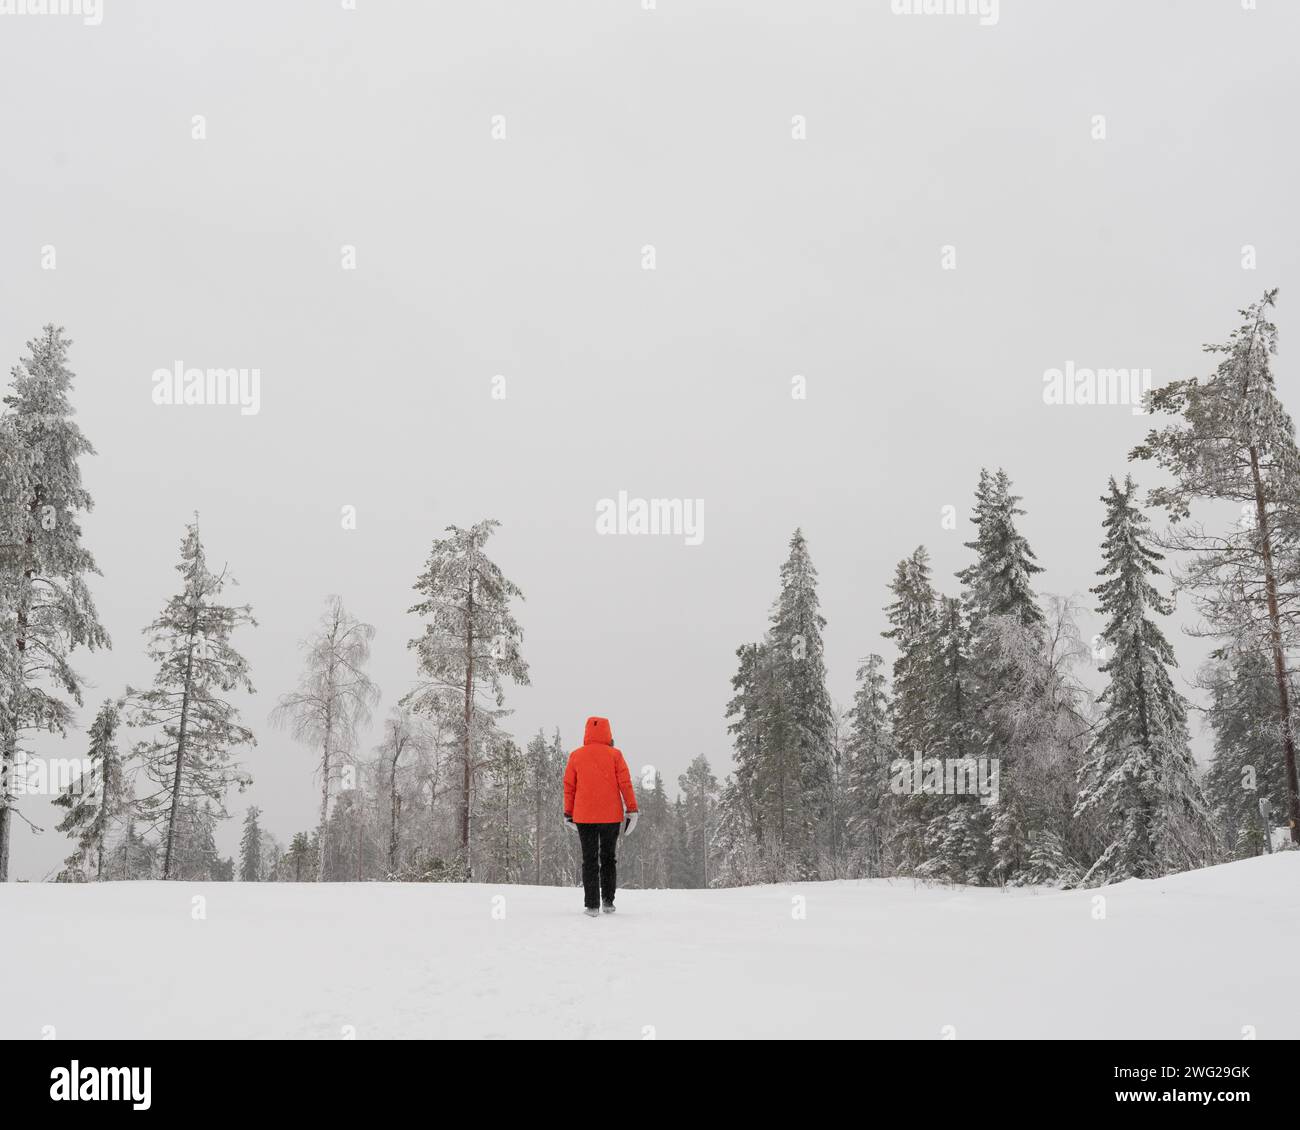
599,870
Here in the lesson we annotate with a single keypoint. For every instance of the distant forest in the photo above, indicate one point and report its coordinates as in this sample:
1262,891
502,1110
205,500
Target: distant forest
974,754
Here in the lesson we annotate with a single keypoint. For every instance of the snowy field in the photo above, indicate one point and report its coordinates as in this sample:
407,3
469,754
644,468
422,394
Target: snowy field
1194,956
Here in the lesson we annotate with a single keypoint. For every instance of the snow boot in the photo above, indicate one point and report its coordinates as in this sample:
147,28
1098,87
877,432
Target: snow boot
607,907
590,911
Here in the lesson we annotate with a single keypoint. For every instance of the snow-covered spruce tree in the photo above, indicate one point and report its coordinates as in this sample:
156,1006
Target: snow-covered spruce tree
1140,772
469,648
1030,708
782,723
679,854
835,859
956,840
1244,768
999,582
541,796
504,842
549,860
869,753
699,813
1235,442
250,847
299,863
635,853
805,711
736,848
539,850
753,722
101,800
132,857
932,715
652,841
911,617
1005,622
333,699
190,758
569,853
46,610
270,853
954,680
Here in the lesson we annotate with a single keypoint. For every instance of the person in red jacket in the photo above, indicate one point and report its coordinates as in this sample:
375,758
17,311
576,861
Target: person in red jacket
598,797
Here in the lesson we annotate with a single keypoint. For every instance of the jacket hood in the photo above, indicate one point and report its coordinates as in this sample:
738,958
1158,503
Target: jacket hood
598,732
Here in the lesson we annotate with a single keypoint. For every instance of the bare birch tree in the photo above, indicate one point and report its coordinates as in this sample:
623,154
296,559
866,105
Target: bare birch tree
333,700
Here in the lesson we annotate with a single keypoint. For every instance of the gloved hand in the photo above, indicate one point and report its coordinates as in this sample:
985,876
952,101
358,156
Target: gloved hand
631,823
568,823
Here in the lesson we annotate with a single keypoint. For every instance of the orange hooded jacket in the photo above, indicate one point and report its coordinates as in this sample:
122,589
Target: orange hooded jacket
597,784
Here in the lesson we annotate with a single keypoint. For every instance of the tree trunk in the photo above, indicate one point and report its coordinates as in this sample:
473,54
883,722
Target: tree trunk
395,805
1279,657
1145,813
9,756
10,752
325,792
359,842
433,792
507,860
467,740
705,852
180,751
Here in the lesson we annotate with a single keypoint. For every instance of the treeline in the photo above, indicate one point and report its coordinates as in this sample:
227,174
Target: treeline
985,684
976,755
446,794
403,828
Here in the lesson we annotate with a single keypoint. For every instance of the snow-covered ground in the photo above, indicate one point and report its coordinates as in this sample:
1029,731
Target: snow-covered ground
1198,955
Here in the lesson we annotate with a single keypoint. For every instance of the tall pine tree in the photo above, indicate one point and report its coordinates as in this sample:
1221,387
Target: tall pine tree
751,722
1235,442
699,804
805,719
1140,771
1007,628
250,847
912,629
870,752
46,610
469,648
191,756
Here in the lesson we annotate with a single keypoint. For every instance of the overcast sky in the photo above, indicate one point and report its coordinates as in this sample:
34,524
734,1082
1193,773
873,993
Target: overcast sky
522,257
